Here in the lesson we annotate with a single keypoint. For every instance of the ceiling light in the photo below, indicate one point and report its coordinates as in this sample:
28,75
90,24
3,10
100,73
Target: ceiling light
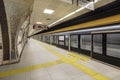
38,22
48,11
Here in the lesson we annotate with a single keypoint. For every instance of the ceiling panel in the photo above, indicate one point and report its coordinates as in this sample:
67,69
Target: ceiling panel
61,9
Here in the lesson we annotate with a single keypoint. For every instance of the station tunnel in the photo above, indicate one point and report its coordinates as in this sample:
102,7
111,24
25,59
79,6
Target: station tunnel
59,39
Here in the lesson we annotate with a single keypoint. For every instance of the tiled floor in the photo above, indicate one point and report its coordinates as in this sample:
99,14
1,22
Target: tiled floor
34,54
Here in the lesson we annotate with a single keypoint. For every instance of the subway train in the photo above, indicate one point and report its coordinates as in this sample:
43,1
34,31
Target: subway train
102,43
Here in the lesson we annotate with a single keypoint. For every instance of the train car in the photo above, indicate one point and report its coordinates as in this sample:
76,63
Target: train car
102,43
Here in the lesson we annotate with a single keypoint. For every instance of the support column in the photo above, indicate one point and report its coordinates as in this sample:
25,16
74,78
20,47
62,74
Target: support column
79,42
64,40
91,46
104,44
69,42
50,39
58,39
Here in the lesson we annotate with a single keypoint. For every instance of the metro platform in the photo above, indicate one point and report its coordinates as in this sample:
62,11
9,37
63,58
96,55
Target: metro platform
41,61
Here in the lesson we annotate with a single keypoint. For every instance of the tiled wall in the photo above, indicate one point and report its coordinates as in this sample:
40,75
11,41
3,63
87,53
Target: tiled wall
17,11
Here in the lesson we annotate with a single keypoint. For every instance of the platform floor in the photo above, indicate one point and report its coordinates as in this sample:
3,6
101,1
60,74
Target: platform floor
41,61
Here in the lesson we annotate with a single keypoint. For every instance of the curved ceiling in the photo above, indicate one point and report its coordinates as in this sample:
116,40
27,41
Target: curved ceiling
61,9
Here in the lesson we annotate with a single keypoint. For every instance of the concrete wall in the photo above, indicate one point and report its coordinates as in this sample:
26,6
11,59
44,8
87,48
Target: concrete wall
17,11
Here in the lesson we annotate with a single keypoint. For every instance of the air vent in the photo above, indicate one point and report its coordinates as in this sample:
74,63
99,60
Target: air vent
48,19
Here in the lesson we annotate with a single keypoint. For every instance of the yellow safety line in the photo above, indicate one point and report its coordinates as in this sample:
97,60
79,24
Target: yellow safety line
92,73
104,21
29,68
78,56
75,55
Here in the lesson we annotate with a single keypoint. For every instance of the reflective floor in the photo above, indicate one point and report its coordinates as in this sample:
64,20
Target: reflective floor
41,61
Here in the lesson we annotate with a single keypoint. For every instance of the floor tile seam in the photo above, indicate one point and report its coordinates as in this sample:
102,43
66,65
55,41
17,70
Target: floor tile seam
49,74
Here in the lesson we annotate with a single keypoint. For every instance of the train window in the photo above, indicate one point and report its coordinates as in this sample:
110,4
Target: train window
61,40
44,38
66,40
113,45
47,38
74,41
40,37
85,42
97,43
56,39
51,39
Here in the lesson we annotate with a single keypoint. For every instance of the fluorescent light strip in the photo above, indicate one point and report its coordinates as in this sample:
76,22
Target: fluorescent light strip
38,22
72,13
48,11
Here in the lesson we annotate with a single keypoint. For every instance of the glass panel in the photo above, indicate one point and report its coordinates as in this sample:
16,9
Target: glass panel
56,39
47,38
113,45
74,41
61,40
97,43
66,40
86,42
40,37
51,39
43,38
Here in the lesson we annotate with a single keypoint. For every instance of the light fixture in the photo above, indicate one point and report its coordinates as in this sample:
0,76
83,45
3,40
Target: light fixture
72,13
48,11
38,22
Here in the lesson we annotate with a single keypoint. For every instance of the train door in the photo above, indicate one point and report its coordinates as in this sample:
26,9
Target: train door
85,44
74,42
106,47
97,45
